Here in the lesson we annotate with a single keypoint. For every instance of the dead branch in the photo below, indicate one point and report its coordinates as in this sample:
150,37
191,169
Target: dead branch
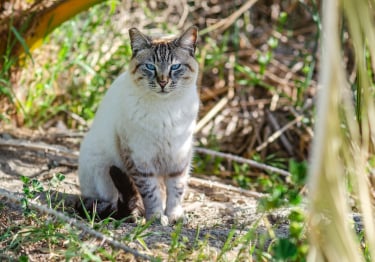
242,160
212,113
225,23
276,127
16,143
194,181
278,133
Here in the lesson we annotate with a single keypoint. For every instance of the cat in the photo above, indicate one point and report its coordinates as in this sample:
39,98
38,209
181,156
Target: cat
144,127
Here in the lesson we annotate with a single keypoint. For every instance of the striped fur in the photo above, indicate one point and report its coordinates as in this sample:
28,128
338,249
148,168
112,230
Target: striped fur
163,54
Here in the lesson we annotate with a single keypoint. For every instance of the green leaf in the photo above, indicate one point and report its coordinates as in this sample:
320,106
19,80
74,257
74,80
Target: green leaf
23,258
285,249
298,171
25,179
142,242
22,42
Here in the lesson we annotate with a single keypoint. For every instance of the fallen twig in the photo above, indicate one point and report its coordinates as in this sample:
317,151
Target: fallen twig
57,149
212,113
278,133
242,160
228,21
297,114
208,183
276,127
9,197
223,102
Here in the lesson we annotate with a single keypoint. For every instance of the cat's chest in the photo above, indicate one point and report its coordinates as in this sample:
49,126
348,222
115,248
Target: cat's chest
168,124
159,142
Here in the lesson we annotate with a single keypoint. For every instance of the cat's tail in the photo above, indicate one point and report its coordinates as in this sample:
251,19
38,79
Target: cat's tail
129,203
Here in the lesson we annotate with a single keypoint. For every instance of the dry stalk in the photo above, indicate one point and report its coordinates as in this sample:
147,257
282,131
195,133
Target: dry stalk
59,150
225,23
242,160
279,133
212,113
337,150
224,101
194,181
361,26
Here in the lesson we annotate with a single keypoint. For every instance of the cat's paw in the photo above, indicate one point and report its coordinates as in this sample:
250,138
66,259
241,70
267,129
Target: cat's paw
158,217
164,221
175,215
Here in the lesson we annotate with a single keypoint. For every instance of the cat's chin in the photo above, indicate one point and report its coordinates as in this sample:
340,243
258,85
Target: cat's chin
163,93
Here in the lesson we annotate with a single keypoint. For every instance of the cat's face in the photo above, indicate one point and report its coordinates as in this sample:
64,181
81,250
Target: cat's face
163,67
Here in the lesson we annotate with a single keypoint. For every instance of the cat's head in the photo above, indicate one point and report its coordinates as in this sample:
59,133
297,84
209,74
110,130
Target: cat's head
163,66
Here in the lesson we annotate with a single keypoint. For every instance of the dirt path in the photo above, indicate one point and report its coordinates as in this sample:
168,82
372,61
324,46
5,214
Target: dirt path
212,210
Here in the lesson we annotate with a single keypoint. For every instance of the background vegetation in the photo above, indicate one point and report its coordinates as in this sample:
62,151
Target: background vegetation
257,74
258,81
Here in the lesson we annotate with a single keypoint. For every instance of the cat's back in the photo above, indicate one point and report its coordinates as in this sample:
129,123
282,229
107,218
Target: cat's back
110,106
103,132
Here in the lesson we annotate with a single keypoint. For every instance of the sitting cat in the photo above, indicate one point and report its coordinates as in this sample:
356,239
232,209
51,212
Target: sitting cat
144,126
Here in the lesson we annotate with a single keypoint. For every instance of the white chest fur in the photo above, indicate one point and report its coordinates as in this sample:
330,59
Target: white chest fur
157,130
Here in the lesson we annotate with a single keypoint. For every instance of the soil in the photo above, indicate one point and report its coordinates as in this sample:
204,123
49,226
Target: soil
213,209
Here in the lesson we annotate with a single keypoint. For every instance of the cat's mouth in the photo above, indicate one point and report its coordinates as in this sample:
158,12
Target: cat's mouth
163,92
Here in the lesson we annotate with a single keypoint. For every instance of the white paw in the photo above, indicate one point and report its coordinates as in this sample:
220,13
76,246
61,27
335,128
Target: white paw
164,221
176,214
159,217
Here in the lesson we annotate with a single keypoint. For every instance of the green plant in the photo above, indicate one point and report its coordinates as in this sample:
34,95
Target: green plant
240,175
178,244
295,247
31,187
228,244
9,61
285,193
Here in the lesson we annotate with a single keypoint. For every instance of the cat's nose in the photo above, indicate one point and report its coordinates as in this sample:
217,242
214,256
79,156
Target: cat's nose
162,83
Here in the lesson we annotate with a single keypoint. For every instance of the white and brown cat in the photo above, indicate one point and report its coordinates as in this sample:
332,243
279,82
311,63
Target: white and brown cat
144,128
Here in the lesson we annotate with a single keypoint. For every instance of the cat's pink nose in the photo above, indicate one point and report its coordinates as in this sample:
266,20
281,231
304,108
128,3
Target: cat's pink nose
162,83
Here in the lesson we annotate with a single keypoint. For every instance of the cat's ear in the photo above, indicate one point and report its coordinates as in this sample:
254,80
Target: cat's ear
138,41
188,39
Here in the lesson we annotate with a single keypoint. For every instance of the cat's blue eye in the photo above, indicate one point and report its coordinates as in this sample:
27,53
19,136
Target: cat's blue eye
150,67
175,66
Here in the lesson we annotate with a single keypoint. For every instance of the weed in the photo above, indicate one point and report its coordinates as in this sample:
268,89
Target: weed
240,175
284,193
31,187
200,247
294,247
177,247
227,244
8,61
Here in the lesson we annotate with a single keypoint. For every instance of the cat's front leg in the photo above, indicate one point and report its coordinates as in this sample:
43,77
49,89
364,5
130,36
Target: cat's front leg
149,188
176,184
